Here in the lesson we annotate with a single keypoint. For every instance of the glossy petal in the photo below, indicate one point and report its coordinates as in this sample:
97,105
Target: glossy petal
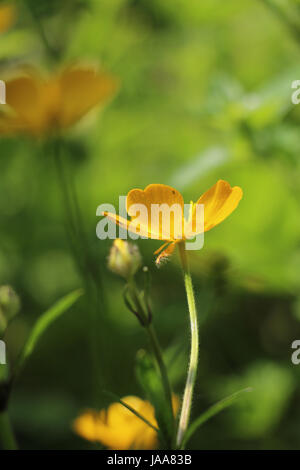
219,202
129,225
167,227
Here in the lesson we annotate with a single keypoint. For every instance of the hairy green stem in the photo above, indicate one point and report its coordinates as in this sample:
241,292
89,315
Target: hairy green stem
192,370
7,438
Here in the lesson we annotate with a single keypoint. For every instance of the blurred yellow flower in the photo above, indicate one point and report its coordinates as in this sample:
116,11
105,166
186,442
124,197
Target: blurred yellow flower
7,17
219,202
38,106
118,428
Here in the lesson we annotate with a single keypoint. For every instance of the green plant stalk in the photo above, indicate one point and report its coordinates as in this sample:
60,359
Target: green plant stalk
7,438
192,370
156,349
161,365
82,258
135,412
51,53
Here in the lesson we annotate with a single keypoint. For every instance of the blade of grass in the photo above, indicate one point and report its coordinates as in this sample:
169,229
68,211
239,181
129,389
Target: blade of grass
136,413
43,322
7,437
212,411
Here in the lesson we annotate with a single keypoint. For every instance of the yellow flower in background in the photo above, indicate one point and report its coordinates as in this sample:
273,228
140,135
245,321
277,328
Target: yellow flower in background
39,106
117,427
219,202
7,17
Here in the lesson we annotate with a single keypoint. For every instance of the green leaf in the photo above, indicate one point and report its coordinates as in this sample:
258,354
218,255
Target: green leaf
43,322
150,381
212,411
136,413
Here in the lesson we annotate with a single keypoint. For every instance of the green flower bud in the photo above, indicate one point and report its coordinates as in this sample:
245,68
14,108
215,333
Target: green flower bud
9,306
124,258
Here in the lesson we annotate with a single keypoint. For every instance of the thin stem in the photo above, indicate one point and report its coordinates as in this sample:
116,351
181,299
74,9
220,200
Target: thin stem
51,52
7,438
192,370
79,245
135,412
161,364
64,187
156,349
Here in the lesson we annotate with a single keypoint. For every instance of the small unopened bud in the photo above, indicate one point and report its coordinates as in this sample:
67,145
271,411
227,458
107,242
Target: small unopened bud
124,258
9,306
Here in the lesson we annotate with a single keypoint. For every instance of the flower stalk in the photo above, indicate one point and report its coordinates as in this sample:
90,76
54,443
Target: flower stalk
161,365
192,370
145,317
7,438
79,246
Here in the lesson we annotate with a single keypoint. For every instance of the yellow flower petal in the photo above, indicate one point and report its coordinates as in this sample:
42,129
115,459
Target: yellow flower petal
22,95
119,428
34,104
38,106
219,202
87,425
158,194
132,226
7,17
82,88
117,413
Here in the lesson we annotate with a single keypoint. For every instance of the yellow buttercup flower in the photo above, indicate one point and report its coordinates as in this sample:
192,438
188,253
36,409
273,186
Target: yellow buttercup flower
117,427
38,106
7,17
219,202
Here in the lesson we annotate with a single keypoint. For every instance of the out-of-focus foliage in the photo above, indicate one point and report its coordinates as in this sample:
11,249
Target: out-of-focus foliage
205,93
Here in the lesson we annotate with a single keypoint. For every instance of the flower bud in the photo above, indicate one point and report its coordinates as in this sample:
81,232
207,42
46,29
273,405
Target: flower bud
9,306
124,258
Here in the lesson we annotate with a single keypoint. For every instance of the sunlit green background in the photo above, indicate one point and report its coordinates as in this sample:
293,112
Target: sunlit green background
205,93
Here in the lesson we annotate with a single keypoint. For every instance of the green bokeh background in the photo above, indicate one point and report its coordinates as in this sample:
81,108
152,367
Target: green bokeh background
205,93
